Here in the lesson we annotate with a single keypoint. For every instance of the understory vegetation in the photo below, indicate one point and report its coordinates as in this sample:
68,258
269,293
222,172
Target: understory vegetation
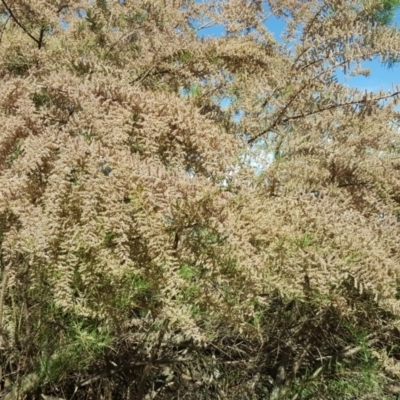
194,207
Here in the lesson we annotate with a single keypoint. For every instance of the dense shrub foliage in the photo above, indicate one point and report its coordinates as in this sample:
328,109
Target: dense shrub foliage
193,216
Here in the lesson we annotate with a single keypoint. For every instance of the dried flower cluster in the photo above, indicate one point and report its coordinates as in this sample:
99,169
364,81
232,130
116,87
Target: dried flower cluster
141,221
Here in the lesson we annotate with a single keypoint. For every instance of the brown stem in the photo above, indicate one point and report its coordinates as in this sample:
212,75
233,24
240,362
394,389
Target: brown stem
38,41
303,115
2,295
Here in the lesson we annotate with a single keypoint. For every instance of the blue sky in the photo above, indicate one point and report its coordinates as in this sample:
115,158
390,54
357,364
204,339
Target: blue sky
381,76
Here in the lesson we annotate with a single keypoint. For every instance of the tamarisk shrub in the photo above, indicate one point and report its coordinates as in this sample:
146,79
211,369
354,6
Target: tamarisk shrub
155,243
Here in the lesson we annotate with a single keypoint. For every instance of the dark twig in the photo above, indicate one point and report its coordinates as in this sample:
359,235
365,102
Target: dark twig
38,41
108,372
153,358
307,114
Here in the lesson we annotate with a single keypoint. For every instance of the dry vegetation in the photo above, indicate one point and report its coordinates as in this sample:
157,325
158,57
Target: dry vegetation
155,245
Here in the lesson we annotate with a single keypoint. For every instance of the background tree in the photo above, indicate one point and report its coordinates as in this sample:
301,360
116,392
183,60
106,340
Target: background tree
142,253
383,11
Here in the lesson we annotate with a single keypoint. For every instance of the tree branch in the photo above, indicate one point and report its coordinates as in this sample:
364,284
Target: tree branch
307,114
38,41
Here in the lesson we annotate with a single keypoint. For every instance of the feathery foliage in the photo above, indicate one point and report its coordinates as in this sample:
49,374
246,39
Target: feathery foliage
155,244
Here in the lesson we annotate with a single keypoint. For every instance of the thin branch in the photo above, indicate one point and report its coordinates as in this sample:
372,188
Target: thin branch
153,358
61,8
205,26
162,361
140,78
2,296
353,184
124,36
310,24
332,106
302,115
278,118
42,30
313,20
38,41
